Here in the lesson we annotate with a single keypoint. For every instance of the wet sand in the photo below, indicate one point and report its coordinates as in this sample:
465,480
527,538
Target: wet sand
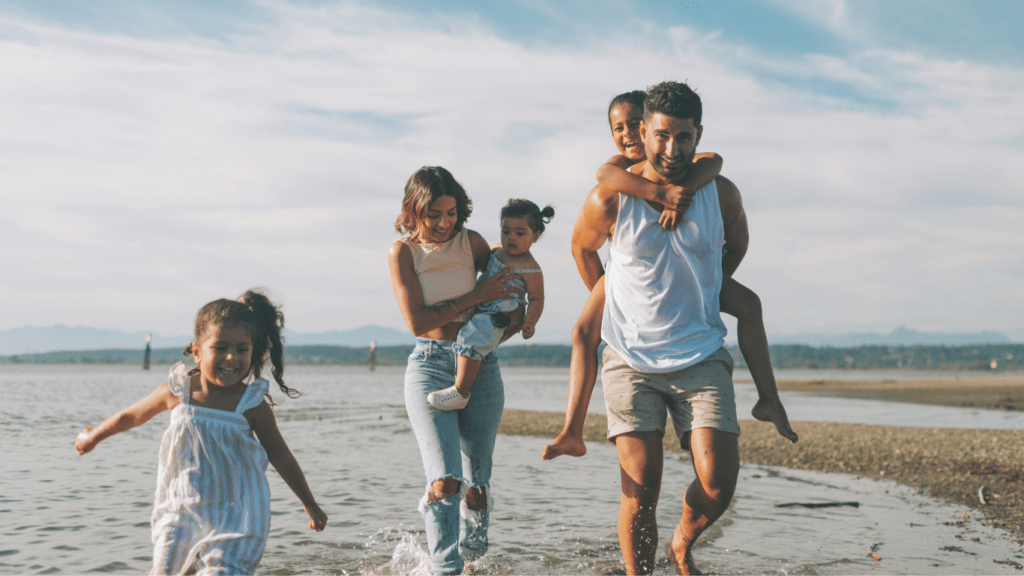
947,464
995,392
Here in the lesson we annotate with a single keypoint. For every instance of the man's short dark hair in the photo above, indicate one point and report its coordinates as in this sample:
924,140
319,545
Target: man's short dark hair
674,99
635,98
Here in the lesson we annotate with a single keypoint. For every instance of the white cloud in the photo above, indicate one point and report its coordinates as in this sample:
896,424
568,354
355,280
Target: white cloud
141,178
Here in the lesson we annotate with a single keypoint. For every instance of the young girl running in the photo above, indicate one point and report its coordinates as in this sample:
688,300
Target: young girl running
212,508
625,115
522,223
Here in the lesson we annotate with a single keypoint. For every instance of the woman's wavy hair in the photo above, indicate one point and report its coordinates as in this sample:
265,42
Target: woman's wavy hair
263,319
426,185
519,207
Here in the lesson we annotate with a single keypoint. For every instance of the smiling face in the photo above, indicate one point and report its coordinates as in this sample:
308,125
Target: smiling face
225,354
670,144
438,224
625,120
517,236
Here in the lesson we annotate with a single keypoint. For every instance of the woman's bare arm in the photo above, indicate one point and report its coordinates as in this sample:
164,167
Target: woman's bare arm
421,318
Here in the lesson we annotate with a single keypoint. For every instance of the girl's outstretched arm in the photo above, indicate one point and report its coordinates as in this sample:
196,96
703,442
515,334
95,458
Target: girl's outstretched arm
262,420
706,166
138,413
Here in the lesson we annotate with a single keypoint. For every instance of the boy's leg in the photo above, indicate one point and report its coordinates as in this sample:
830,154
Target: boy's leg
586,336
741,302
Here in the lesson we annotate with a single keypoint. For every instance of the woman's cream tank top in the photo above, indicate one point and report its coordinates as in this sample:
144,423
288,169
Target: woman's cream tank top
445,271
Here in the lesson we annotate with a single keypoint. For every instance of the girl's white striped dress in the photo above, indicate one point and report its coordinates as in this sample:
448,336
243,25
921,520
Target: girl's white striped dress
212,509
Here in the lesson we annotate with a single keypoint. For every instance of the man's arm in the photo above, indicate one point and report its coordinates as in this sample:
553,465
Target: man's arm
737,237
592,228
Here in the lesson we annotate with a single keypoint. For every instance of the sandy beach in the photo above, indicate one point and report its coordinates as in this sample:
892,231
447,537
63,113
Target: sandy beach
947,464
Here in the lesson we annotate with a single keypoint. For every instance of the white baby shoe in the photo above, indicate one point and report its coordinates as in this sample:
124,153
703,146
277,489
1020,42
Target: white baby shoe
447,399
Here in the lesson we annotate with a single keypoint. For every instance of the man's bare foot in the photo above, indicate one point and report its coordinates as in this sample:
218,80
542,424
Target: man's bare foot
566,444
773,412
687,566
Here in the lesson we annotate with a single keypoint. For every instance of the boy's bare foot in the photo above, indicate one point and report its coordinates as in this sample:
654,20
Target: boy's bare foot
687,566
566,444
773,412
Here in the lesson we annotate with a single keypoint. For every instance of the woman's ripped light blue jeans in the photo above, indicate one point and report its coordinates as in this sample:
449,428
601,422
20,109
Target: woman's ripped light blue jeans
455,444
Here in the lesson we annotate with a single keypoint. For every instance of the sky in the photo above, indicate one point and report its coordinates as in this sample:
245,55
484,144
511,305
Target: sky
156,156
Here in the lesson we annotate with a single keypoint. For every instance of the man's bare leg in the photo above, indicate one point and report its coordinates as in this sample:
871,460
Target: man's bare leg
741,302
716,462
640,466
586,336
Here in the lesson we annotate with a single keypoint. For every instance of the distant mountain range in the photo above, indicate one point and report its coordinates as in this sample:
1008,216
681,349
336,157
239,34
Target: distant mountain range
901,336
59,337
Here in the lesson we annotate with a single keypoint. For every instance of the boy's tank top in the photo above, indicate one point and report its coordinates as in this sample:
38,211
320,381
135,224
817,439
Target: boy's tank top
445,271
661,308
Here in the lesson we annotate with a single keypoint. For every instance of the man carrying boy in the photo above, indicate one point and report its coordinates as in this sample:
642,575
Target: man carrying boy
664,331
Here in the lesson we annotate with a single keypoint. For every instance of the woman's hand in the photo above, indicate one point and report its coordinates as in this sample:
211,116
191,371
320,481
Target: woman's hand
494,288
84,443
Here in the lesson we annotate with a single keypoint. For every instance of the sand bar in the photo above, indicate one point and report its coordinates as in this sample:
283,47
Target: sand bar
947,464
996,393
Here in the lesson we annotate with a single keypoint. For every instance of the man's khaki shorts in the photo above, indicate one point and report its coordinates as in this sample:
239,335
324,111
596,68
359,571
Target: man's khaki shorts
701,396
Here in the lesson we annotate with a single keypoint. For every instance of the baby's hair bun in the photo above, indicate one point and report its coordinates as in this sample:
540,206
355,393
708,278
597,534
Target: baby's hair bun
547,213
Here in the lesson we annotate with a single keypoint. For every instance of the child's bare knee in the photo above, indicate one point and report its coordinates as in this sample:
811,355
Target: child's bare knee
752,304
583,334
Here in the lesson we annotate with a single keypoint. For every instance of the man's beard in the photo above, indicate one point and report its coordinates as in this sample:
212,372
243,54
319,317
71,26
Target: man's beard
676,174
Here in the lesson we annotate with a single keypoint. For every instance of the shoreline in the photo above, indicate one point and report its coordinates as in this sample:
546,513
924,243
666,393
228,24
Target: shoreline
950,465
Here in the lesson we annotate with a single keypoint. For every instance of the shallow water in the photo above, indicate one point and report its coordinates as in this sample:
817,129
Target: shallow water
60,513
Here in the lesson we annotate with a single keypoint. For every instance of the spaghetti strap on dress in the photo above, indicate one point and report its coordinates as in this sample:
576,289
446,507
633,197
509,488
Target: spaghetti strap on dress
211,513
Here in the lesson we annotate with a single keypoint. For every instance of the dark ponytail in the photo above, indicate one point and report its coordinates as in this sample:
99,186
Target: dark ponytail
519,207
265,322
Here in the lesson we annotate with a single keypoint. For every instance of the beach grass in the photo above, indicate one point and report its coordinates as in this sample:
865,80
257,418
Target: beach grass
949,464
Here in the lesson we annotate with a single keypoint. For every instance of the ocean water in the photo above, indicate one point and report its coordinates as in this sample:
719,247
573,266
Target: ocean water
65,514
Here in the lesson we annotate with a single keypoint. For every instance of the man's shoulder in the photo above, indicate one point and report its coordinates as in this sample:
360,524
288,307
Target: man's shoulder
603,199
729,198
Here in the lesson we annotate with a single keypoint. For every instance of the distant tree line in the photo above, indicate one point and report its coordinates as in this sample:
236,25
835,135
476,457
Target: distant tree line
784,356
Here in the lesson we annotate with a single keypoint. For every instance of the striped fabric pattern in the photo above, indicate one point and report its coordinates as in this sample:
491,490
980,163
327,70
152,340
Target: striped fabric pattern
212,508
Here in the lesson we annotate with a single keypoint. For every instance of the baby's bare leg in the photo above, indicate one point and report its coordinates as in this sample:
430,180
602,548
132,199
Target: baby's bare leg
586,336
741,302
466,370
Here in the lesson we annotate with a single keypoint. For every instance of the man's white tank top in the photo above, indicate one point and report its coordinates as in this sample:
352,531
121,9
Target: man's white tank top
661,309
